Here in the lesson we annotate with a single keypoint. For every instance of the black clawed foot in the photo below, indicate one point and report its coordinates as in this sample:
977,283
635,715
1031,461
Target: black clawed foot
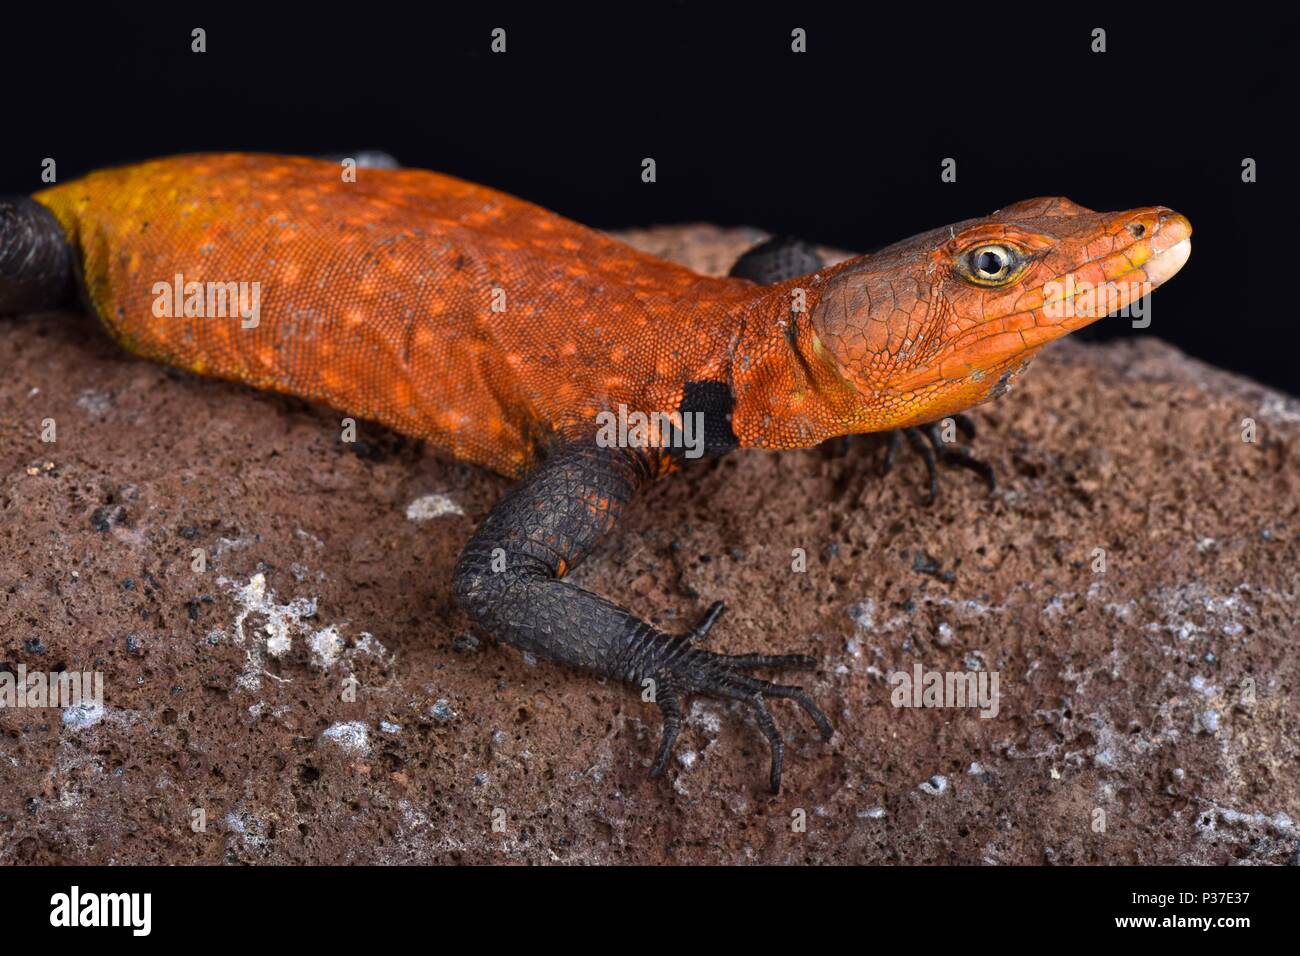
721,675
939,451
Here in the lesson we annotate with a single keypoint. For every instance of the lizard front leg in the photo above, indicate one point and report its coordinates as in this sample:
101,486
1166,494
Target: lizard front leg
509,579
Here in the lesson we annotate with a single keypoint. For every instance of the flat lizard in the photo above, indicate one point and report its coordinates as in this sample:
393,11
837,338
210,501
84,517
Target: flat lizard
509,337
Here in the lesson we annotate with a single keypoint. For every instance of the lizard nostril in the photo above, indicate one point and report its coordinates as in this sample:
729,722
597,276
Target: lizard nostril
1137,230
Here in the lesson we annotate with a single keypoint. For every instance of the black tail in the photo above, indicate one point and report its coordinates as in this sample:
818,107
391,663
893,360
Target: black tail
36,272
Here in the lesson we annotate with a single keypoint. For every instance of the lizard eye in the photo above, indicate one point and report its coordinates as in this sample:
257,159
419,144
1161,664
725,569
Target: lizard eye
992,264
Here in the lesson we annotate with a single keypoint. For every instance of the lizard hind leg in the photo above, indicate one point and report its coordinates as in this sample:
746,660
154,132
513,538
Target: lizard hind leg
510,580
36,263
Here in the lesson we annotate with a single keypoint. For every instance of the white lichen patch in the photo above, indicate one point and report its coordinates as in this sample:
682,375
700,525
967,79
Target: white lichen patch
326,646
96,403
705,715
265,628
251,830
427,507
1210,819
352,736
1190,611
935,785
367,643
85,713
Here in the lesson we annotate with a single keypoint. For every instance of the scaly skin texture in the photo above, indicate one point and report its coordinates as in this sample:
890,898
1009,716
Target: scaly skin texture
498,332
377,298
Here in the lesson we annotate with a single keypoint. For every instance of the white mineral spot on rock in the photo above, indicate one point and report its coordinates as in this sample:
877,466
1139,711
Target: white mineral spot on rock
275,636
308,537
249,828
1202,686
96,403
366,643
428,507
1122,611
353,735
935,785
687,758
872,813
1056,606
703,716
1277,821
86,713
326,645
388,727
278,642
864,614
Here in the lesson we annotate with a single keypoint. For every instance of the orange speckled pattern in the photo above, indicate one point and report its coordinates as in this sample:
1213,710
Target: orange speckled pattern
484,324
376,296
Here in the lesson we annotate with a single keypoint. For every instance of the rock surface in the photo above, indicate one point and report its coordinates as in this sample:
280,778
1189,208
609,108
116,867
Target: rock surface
1146,713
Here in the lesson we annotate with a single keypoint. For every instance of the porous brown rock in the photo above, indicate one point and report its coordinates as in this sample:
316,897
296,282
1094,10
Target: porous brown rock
313,695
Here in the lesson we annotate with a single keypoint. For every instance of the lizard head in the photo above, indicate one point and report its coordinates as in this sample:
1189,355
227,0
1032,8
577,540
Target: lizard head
946,320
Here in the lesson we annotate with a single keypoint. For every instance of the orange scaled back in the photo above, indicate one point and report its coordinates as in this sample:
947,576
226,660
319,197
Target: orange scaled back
377,297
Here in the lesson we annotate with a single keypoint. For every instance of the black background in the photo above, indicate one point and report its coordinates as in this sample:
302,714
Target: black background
842,144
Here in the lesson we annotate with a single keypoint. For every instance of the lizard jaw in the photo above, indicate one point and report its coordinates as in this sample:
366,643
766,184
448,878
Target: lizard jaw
1161,267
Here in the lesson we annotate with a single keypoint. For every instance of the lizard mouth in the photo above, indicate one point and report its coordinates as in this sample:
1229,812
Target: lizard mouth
1164,265
1161,247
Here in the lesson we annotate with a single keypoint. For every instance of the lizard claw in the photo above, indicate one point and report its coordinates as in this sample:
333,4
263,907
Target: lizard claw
938,451
722,675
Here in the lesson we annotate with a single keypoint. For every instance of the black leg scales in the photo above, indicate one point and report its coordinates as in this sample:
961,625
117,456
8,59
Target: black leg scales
509,579
776,260
36,271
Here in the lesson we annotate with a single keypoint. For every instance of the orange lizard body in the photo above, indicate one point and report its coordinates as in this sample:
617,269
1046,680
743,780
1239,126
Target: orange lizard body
496,330
485,324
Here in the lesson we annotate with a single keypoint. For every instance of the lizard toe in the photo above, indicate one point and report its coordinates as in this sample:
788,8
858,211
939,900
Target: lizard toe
719,675
937,451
